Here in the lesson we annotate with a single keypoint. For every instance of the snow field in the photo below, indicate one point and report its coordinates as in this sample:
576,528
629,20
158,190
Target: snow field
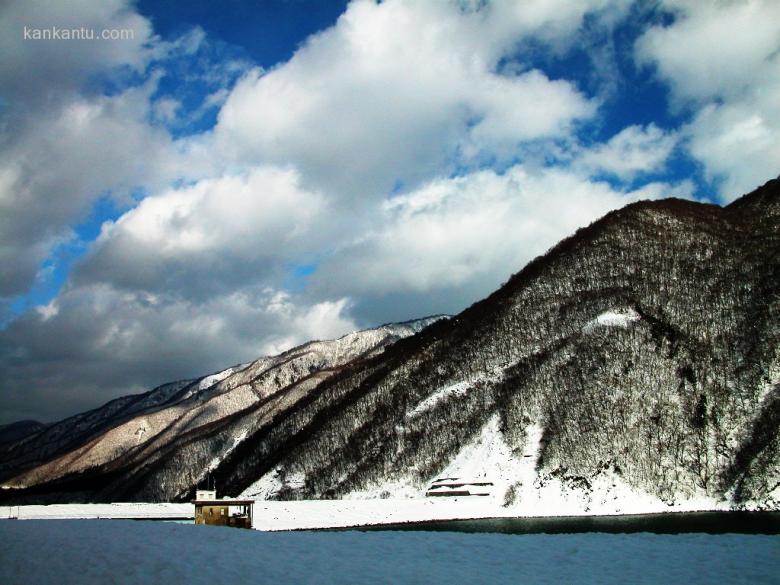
128,510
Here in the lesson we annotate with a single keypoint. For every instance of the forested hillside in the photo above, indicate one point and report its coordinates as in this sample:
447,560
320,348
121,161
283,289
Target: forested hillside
641,354
644,346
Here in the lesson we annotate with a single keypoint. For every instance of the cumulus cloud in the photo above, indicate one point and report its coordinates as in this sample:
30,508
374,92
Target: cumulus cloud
714,49
212,236
440,104
53,171
60,148
467,234
40,73
739,140
723,59
115,342
399,91
634,150
65,142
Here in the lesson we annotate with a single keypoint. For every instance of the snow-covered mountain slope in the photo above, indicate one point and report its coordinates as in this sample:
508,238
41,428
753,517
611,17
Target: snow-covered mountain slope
163,418
59,437
634,367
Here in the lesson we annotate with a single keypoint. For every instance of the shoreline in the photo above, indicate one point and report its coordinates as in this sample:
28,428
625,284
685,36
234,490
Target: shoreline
708,521
388,514
113,511
357,514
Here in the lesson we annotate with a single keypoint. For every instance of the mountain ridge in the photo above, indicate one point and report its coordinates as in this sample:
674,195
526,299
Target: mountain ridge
531,270
243,379
637,356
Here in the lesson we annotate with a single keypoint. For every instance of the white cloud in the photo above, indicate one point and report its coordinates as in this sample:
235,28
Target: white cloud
633,151
399,91
166,109
297,172
473,231
739,140
34,74
63,143
60,162
59,151
714,49
527,107
724,60
120,342
210,236
323,320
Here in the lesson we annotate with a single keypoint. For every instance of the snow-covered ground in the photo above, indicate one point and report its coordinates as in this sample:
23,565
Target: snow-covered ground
514,488
487,459
127,510
615,318
607,497
453,390
209,381
309,514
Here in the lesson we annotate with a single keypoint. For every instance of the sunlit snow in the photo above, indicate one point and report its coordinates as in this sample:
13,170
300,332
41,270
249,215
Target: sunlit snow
616,318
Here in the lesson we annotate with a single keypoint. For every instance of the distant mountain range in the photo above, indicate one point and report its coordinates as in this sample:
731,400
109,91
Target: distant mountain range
189,423
637,360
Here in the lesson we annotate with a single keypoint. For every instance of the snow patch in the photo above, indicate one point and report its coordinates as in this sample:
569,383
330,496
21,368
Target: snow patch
272,483
459,389
236,440
488,458
518,490
402,488
264,488
605,494
552,501
209,381
767,386
615,318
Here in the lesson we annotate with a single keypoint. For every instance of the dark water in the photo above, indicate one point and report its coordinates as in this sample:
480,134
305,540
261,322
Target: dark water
87,552
698,522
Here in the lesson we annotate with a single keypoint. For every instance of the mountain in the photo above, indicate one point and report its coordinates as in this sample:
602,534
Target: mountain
18,430
637,360
198,421
640,353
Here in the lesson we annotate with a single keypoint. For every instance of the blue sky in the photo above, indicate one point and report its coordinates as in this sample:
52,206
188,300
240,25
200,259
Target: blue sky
241,177
268,32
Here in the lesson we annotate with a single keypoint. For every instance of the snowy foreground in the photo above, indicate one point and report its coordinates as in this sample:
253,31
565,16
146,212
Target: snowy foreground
127,511
311,514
